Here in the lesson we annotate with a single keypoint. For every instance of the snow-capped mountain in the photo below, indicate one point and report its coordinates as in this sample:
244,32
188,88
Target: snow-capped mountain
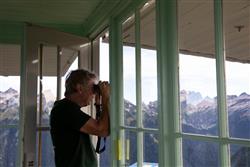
198,115
8,98
9,115
191,97
205,116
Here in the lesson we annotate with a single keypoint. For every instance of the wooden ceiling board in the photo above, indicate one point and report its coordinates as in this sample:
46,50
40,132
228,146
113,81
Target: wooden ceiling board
10,56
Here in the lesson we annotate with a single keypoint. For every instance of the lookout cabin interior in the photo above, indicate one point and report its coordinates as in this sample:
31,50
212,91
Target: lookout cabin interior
179,72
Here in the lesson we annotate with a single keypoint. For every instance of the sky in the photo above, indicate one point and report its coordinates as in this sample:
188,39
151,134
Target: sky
49,83
196,74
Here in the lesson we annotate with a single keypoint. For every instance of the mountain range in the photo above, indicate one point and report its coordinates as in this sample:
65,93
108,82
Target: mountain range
198,116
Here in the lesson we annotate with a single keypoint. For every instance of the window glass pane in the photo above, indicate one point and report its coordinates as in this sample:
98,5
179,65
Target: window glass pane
198,95
104,76
130,149
240,155
237,51
129,87
47,152
9,100
69,62
49,97
197,68
197,154
150,149
104,57
49,86
105,159
9,103
148,65
8,147
9,84
149,88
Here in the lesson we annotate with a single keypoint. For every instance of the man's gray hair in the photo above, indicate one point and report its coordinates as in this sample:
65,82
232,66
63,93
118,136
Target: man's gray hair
80,76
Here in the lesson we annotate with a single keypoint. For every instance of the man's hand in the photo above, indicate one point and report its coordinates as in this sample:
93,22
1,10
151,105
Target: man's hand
100,127
105,90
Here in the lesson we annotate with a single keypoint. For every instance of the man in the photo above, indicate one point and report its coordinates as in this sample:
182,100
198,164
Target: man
70,127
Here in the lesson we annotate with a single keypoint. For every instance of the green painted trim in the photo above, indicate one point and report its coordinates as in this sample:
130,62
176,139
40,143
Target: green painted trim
243,142
139,121
162,124
130,9
94,26
40,107
221,84
74,29
168,82
11,32
116,81
58,76
138,69
99,20
220,69
20,160
135,129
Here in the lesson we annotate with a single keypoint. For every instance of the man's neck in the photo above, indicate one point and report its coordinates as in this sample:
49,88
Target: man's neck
74,98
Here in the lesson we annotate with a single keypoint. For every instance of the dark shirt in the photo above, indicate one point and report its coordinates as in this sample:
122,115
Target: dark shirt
72,148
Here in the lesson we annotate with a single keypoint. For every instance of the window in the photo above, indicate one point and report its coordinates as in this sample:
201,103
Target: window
202,90
104,76
204,126
48,85
237,69
198,95
210,106
129,72
139,126
9,103
200,153
197,77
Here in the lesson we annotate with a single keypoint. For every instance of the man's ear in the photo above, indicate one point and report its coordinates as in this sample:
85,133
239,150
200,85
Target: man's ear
79,88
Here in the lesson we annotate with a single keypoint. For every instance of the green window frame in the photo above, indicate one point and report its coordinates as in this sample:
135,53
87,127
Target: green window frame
170,135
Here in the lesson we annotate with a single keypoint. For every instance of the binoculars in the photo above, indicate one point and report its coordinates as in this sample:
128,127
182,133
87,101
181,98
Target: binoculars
96,89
